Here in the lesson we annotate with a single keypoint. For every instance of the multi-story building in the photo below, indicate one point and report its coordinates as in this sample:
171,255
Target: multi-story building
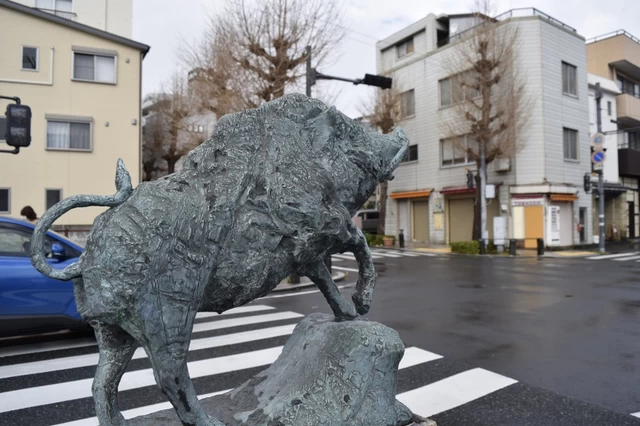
539,189
84,87
615,57
112,16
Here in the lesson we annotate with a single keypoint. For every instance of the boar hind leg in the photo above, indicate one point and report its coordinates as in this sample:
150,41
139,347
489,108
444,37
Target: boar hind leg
168,333
116,349
367,274
318,273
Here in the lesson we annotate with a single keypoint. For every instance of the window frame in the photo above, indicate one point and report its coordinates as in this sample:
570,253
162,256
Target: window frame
37,68
8,200
45,196
68,119
95,53
565,131
609,108
408,155
406,42
403,116
575,70
464,90
466,162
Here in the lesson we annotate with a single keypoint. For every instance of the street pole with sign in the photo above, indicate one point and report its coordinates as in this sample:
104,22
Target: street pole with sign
597,159
369,79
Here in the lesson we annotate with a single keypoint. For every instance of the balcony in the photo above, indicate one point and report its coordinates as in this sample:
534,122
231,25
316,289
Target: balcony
61,13
619,50
628,110
629,153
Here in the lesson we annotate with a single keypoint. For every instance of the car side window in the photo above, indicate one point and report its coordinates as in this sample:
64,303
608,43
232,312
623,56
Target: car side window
372,215
17,242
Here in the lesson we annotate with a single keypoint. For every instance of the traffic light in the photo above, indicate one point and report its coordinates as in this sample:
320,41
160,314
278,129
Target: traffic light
18,126
469,179
587,182
377,81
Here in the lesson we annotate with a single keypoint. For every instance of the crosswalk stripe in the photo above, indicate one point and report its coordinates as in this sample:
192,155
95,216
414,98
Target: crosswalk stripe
384,254
235,322
90,341
92,359
206,326
239,310
135,412
611,256
626,259
636,414
453,391
335,259
414,356
340,268
67,391
396,252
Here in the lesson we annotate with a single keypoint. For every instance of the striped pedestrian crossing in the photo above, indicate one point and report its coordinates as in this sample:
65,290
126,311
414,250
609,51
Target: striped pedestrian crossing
381,254
43,384
617,257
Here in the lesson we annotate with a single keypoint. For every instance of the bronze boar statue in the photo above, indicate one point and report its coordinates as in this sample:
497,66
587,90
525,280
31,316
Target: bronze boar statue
270,194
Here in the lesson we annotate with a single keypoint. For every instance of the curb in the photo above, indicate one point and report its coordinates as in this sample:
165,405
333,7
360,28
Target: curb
306,282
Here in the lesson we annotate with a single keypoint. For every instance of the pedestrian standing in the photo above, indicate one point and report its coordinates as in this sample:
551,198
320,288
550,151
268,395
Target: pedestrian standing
29,214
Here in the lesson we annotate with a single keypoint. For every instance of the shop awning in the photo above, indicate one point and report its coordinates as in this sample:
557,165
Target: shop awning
410,194
454,190
564,197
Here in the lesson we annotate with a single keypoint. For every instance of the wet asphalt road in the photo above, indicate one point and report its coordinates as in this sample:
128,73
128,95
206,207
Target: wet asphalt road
567,326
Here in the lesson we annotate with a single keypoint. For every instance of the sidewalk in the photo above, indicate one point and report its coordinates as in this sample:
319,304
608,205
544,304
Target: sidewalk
306,282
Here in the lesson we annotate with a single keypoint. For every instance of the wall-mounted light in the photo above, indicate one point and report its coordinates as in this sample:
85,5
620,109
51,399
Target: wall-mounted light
106,124
127,60
134,121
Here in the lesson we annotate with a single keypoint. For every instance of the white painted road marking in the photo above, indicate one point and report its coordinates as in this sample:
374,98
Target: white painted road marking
66,363
341,268
453,391
90,341
611,256
626,259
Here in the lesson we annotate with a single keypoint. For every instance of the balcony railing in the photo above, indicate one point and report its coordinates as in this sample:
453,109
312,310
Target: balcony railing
61,13
613,34
513,13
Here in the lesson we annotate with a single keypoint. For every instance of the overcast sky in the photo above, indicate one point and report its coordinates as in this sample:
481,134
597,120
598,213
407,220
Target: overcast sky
163,24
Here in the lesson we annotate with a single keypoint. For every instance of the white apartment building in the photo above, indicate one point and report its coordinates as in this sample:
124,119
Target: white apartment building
112,16
615,57
539,189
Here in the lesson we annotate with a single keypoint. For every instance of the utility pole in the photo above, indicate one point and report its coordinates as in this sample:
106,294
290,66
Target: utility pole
601,220
484,233
369,80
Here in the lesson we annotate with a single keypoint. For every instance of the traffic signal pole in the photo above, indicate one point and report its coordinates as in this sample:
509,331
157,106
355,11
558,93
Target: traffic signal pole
369,79
601,220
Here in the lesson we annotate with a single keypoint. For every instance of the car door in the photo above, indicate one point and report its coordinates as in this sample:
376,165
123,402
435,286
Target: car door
24,291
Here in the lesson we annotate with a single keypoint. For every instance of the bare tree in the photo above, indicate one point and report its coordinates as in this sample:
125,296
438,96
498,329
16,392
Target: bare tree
383,112
169,133
267,40
488,96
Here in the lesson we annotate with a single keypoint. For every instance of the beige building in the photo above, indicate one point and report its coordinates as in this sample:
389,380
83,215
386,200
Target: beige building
84,88
615,57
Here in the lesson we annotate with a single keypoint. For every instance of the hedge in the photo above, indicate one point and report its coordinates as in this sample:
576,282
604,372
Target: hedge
472,247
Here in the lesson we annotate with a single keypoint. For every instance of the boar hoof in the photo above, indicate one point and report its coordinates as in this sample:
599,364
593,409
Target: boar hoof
362,304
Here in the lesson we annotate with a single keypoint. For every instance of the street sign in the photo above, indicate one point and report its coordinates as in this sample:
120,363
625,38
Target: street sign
597,157
597,141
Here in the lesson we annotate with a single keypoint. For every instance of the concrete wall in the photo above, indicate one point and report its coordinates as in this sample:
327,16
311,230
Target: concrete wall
36,168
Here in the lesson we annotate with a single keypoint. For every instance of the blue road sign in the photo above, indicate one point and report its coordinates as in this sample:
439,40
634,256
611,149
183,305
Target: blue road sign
597,157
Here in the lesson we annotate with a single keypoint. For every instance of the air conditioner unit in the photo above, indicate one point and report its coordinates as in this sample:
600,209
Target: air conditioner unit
502,164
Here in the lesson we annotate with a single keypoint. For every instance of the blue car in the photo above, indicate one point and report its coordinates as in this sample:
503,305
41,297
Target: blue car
29,301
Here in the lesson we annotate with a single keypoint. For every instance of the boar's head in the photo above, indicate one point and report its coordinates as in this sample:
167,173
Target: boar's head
360,158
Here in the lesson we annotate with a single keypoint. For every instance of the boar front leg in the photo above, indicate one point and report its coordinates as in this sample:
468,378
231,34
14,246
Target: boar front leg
367,274
318,273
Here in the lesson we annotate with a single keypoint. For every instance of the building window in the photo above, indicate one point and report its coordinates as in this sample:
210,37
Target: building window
411,155
94,68
456,89
405,48
627,86
609,107
73,136
569,77
62,8
633,139
52,197
570,138
5,198
29,58
454,151
407,103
